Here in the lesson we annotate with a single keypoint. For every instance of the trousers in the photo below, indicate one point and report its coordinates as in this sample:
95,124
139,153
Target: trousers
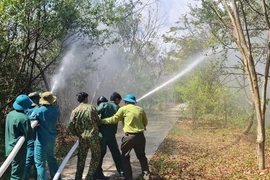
45,152
85,144
137,142
30,161
110,141
18,165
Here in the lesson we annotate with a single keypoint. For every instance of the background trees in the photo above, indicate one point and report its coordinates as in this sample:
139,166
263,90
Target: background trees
241,28
34,36
117,46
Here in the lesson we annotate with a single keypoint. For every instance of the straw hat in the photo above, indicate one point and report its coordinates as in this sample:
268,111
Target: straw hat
47,98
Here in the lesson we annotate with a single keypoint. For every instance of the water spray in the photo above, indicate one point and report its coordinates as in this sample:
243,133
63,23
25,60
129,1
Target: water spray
186,70
59,75
103,77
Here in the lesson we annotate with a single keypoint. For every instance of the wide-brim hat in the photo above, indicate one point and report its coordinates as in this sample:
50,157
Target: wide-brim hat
22,102
130,98
47,98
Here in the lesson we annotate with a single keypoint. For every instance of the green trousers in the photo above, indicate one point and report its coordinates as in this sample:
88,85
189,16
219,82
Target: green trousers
85,145
18,165
110,141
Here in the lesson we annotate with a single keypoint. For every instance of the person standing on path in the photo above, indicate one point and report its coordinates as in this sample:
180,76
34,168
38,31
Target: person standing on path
84,124
107,109
47,115
34,96
18,125
134,124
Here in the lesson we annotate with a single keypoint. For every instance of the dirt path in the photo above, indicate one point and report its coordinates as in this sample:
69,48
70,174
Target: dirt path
158,127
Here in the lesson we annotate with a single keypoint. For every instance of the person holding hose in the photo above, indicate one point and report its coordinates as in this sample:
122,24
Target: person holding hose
18,125
107,109
84,124
134,124
47,115
34,96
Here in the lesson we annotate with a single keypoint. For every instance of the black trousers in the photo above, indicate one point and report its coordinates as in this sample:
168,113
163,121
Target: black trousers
134,141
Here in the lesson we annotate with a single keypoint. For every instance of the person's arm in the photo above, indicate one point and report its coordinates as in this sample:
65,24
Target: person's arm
26,129
94,116
72,121
100,108
118,116
34,116
145,120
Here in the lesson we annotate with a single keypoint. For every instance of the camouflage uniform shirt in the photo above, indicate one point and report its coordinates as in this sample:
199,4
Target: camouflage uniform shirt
84,121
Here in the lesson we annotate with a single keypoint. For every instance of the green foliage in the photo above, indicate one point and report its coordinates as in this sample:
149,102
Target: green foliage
205,94
34,35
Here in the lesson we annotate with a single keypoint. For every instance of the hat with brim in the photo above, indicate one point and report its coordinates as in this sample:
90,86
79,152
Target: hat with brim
22,102
130,98
47,98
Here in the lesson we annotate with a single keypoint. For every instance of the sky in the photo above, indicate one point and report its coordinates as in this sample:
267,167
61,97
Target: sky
173,9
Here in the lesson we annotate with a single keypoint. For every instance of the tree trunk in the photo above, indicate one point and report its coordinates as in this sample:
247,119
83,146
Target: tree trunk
246,131
260,155
252,116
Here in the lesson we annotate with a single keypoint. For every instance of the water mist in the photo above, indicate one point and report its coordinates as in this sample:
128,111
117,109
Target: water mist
182,73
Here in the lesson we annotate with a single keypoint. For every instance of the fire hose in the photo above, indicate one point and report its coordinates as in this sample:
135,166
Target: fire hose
14,151
63,164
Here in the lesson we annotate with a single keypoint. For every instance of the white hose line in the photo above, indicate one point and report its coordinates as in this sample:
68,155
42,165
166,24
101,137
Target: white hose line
63,164
12,155
34,123
14,151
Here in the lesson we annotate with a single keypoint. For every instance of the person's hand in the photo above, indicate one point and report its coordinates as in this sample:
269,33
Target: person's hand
100,122
34,123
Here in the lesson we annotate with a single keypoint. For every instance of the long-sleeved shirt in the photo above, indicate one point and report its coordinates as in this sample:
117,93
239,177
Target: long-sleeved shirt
107,109
17,125
47,116
84,121
28,113
133,118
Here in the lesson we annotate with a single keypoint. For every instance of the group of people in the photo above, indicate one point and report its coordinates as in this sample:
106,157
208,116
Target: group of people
95,128
40,140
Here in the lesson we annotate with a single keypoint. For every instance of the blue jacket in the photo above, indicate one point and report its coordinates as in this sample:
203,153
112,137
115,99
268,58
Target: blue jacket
47,115
28,113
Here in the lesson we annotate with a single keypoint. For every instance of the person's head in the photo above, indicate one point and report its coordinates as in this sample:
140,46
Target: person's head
101,99
34,96
130,99
116,98
22,102
47,98
82,97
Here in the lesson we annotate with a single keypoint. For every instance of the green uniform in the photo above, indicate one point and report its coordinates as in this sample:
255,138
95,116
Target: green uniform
30,161
17,125
108,131
84,124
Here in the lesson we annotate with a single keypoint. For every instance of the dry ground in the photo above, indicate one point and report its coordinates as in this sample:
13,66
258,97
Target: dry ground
207,152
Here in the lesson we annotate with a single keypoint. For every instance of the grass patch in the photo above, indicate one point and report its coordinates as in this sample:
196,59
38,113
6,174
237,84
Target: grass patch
207,152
